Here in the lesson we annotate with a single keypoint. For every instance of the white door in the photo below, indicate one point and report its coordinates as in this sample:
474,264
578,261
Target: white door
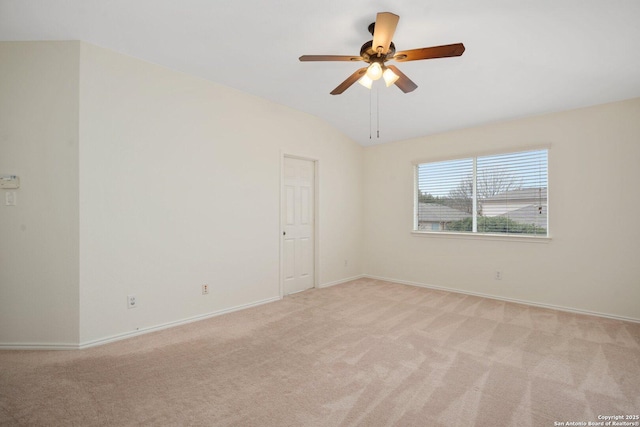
298,225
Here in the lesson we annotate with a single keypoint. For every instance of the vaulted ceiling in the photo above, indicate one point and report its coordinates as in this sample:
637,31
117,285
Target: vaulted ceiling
522,58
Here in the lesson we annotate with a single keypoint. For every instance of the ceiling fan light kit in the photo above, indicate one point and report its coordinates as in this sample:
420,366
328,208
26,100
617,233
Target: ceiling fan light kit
389,77
381,49
374,71
365,81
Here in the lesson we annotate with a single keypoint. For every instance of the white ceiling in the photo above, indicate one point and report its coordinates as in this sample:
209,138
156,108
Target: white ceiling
522,57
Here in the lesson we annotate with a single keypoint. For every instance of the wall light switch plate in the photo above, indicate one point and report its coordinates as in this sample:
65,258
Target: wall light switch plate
10,198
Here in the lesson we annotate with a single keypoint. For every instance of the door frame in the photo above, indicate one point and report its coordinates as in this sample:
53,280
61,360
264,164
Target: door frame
316,216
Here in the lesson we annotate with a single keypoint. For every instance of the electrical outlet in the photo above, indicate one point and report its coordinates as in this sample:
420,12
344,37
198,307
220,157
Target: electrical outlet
498,275
132,301
205,289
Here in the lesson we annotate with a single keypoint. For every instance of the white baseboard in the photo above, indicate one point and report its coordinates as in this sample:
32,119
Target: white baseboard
118,337
175,323
341,281
37,346
500,298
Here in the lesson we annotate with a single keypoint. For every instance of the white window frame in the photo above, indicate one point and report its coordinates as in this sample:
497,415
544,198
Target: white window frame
474,234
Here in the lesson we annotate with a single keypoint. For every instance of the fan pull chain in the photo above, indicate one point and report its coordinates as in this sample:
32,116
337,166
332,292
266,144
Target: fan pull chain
378,112
370,103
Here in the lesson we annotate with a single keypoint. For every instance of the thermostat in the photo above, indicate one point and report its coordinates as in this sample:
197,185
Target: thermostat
9,181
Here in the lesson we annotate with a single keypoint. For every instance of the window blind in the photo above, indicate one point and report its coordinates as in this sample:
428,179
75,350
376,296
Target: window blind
498,194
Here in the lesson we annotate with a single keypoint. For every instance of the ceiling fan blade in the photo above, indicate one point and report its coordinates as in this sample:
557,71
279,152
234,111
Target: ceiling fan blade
430,52
404,83
386,23
305,58
350,80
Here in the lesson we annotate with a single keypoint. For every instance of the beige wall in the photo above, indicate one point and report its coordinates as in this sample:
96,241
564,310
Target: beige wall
39,236
175,182
592,262
141,180
180,186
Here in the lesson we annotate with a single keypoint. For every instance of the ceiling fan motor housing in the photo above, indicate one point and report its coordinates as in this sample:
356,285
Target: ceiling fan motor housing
369,54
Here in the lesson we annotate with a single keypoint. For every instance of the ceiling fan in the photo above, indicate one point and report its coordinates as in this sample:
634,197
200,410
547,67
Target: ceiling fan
381,49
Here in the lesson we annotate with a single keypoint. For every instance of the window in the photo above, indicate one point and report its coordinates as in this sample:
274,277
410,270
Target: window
503,194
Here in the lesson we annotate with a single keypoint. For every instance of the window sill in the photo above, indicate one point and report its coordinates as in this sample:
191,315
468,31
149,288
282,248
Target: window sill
482,236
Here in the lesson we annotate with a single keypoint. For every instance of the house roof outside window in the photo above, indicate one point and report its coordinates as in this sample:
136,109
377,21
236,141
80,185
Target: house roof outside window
432,212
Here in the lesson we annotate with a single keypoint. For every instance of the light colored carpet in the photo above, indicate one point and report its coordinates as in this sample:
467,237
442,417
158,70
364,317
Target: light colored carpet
365,353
